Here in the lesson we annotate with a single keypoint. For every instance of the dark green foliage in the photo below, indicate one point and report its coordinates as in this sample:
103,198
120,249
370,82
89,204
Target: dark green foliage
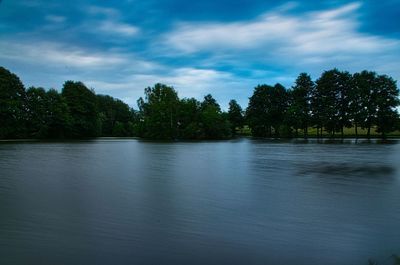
333,90
235,116
386,115
58,118
36,112
116,117
396,259
159,112
47,114
267,110
338,100
214,123
300,106
82,104
189,119
164,116
374,100
12,109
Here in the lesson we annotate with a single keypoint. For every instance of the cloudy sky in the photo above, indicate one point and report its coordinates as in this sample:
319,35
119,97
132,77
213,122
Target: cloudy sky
222,47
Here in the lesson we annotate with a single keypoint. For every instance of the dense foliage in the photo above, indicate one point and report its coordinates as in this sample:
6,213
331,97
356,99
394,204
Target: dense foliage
164,116
336,100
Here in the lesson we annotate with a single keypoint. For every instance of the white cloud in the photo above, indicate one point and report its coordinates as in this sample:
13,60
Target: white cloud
55,18
105,11
277,34
117,28
109,22
189,82
57,53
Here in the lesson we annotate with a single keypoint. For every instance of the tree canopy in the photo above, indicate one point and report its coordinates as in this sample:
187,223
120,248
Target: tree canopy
335,101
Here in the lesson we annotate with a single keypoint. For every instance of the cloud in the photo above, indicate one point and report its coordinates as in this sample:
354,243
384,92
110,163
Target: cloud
113,27
309,37
189,82
55,18
108,23
104,11
58,53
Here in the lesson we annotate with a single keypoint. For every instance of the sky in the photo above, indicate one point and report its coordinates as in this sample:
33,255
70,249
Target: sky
221,47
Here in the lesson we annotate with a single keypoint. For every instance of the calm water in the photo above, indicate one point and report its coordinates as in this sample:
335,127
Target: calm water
232,202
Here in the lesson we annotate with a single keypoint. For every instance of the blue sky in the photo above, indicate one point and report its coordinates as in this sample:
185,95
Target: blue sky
220,47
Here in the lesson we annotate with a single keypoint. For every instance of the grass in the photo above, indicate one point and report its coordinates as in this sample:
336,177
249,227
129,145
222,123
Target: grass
348,133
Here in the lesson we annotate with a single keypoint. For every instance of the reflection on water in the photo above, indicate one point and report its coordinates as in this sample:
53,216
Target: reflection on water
230,202
348,169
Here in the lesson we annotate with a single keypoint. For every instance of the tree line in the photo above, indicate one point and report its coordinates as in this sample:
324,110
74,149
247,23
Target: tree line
335,101
76,112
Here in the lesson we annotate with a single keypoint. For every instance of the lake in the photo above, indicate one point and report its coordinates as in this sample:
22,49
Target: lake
126,201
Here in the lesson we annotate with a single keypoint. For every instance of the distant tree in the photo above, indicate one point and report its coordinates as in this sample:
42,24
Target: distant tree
82,104
300,107
333,91
209,101
159,112
115,113
257,113
12,108
36,112
343,97
58,118
235,115
189,119
213,122
267,109
365,99
386,102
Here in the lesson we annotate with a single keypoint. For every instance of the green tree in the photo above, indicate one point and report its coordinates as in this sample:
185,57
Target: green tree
82,104
267,110
189,119
386,102
36,112
159,112
58,118
214,123
333,91
12,107
300,107
235,115
364,100
113,111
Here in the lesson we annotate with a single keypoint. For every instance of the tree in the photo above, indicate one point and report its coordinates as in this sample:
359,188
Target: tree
36,112
364,99
235,115
189,119
58,118
12,108
332,91
267,109
82,104
300,107
159,112
213,122
386,102
115,113
209,101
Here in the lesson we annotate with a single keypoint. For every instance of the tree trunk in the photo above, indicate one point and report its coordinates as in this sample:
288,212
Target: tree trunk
356,131
369,132
342,132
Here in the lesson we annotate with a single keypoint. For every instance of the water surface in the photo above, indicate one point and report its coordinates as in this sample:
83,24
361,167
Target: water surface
229,202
